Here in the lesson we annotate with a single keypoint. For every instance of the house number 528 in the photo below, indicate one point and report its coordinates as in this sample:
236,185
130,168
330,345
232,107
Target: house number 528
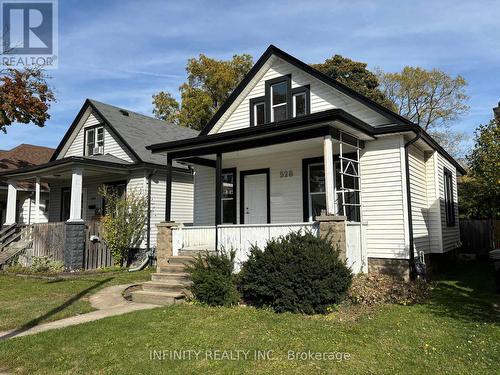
286,173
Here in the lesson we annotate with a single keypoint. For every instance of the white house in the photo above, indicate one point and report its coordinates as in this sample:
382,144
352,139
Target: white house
105,145
289,143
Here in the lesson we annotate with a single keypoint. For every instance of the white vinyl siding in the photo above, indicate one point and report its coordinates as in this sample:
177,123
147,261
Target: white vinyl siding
286,192
27,214
383,203
112,145
434,212
450,235
323,97
419,200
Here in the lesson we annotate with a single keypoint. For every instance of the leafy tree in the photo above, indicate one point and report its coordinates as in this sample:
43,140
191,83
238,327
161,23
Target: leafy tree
356,76
209,84
430,98
166,108
123,224
480,192
25,97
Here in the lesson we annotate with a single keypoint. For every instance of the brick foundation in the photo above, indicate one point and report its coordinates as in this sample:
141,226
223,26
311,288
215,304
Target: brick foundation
394,267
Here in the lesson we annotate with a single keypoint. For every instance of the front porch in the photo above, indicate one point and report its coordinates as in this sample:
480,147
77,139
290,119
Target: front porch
249,190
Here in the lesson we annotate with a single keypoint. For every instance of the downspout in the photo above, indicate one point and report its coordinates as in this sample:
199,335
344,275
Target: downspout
148,256
408,203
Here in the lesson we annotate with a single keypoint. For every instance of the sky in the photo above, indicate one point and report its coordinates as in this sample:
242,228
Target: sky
122,52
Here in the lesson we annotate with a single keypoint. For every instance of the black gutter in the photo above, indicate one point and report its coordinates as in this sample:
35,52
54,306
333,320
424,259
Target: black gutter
408,203
286,125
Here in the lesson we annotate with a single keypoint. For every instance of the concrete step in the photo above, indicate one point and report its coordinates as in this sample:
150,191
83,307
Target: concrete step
194,252
178,260
178,278
157,298
173,268
165,286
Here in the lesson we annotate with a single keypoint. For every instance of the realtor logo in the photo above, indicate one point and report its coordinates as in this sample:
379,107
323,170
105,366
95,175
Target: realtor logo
29,33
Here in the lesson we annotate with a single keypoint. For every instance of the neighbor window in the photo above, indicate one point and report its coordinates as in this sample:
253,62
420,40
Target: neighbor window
94,141
278,102
228,197
449,204
299,104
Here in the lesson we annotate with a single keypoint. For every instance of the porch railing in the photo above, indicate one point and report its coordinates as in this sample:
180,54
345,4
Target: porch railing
242,237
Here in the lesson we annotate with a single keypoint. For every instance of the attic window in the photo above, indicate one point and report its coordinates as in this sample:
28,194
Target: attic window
94,141
279,105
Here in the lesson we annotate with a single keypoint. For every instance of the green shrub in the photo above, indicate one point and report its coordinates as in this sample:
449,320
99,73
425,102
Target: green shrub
46,265
213,279
298,273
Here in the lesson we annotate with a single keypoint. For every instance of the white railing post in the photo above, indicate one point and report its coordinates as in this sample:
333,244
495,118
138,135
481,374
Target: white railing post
10,217
329,174
37,200
75,211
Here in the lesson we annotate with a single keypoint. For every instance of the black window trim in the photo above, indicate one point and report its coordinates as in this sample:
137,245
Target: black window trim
449,206
270,82
305,184
299,90
235,189
253,102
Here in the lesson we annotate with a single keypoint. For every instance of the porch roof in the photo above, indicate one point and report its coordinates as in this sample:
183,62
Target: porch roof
313,125
100,163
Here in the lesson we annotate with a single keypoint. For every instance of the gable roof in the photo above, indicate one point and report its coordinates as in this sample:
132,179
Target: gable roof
133,129
24,155
273,50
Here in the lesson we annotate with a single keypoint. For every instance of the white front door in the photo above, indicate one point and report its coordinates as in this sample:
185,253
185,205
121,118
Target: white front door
255,202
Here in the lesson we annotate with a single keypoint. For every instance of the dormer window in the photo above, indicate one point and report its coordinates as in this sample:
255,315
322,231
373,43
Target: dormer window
278,102
94,141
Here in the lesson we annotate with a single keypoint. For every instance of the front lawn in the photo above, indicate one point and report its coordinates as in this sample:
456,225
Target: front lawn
28,301
456,332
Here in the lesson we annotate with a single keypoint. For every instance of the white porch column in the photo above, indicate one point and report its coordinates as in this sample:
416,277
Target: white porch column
75,209
37,199
329,174
10,217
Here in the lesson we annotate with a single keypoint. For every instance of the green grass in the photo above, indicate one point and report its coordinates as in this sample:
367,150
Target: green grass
456,332
30,301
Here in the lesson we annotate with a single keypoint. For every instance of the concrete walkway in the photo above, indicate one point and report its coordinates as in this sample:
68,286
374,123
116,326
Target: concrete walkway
109,302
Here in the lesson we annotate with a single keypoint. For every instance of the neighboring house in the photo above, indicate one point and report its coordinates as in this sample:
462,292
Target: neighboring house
291,143
105,145
22,156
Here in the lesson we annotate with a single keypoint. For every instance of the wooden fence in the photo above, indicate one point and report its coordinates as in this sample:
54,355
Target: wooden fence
479,236
48,240
96,253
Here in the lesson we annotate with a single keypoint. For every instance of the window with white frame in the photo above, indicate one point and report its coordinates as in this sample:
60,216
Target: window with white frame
94,141
299,104
279,106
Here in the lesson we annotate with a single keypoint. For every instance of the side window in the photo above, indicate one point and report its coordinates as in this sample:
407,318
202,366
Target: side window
300,101
449,204
228,197
257,111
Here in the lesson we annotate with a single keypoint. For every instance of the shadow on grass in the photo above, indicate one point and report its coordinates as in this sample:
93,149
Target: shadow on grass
66,304
466,292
